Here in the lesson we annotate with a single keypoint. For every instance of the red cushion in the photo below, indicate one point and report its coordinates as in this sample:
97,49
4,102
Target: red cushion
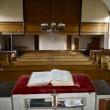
82,84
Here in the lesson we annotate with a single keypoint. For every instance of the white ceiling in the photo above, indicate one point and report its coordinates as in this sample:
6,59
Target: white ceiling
107,3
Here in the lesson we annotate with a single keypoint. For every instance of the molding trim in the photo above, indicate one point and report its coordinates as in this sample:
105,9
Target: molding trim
93,28
11,27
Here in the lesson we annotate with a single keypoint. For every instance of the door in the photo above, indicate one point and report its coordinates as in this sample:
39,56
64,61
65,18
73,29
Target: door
76,43
36,42
95,43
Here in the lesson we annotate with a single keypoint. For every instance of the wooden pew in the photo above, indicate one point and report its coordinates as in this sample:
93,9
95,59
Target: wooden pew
47,60
4,59
49,67
105,62
51,62
55,52
93,74
55,56
96,56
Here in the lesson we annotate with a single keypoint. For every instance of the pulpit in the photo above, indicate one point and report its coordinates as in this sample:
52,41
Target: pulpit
81,96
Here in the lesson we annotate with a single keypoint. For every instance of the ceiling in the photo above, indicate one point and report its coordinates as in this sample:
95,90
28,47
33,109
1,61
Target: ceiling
107,3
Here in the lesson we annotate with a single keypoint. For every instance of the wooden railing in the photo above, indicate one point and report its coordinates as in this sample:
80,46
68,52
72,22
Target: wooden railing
99,58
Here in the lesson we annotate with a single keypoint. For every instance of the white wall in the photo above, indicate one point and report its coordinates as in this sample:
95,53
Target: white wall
84,40
58,42
25,41
109,35
107,3
11,10
52,42
102,42
94,11
107,41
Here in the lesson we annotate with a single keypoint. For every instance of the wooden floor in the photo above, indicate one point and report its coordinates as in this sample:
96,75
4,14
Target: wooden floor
75,62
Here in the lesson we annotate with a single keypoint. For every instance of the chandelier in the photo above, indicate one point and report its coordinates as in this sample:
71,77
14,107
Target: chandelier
52,26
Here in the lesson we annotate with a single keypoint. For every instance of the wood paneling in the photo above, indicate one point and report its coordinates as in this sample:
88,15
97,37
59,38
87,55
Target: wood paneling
104,104
93,28
36,28
93,74
67,11
11,27
72,29
59,11
38,11
32,28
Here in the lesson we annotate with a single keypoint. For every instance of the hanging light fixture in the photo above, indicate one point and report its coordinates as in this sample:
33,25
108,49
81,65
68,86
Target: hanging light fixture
52,27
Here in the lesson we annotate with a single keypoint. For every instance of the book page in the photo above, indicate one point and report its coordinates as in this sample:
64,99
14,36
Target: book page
61,78
39,78
60,75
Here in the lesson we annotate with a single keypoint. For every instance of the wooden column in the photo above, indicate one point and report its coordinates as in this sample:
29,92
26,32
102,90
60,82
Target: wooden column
69,37
36,42
11,42
76,43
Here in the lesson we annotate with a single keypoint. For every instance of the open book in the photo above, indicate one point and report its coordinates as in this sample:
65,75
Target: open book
55,77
